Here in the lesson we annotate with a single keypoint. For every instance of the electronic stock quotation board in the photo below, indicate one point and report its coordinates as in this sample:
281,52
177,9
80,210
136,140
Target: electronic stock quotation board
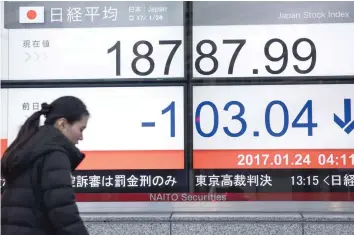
265,111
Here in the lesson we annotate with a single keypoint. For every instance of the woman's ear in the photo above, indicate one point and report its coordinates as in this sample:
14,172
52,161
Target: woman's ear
61,124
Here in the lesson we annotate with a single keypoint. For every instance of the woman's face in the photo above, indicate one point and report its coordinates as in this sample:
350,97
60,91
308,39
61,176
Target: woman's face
74,132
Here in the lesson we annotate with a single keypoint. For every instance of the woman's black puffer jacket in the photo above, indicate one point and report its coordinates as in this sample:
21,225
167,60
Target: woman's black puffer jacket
38,198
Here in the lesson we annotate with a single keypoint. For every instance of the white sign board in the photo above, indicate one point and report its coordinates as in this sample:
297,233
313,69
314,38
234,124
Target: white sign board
96,40
266,39
284,120
123,121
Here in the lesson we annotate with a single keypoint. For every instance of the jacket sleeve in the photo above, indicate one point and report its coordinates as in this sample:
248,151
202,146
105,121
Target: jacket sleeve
59,197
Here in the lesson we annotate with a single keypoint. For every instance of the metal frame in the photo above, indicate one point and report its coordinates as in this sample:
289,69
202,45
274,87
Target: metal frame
188,82
278,207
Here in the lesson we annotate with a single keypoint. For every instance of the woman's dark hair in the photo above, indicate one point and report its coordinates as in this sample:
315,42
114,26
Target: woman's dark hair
68,107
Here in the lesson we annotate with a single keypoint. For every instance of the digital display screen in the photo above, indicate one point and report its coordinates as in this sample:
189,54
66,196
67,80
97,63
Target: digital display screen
272,39
273,127
134,140
89,40
191,101
253,136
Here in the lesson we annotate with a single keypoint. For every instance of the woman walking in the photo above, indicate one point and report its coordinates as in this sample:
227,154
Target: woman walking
38,198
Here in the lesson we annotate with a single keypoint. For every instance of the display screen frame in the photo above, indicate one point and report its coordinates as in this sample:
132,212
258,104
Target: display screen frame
341,203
